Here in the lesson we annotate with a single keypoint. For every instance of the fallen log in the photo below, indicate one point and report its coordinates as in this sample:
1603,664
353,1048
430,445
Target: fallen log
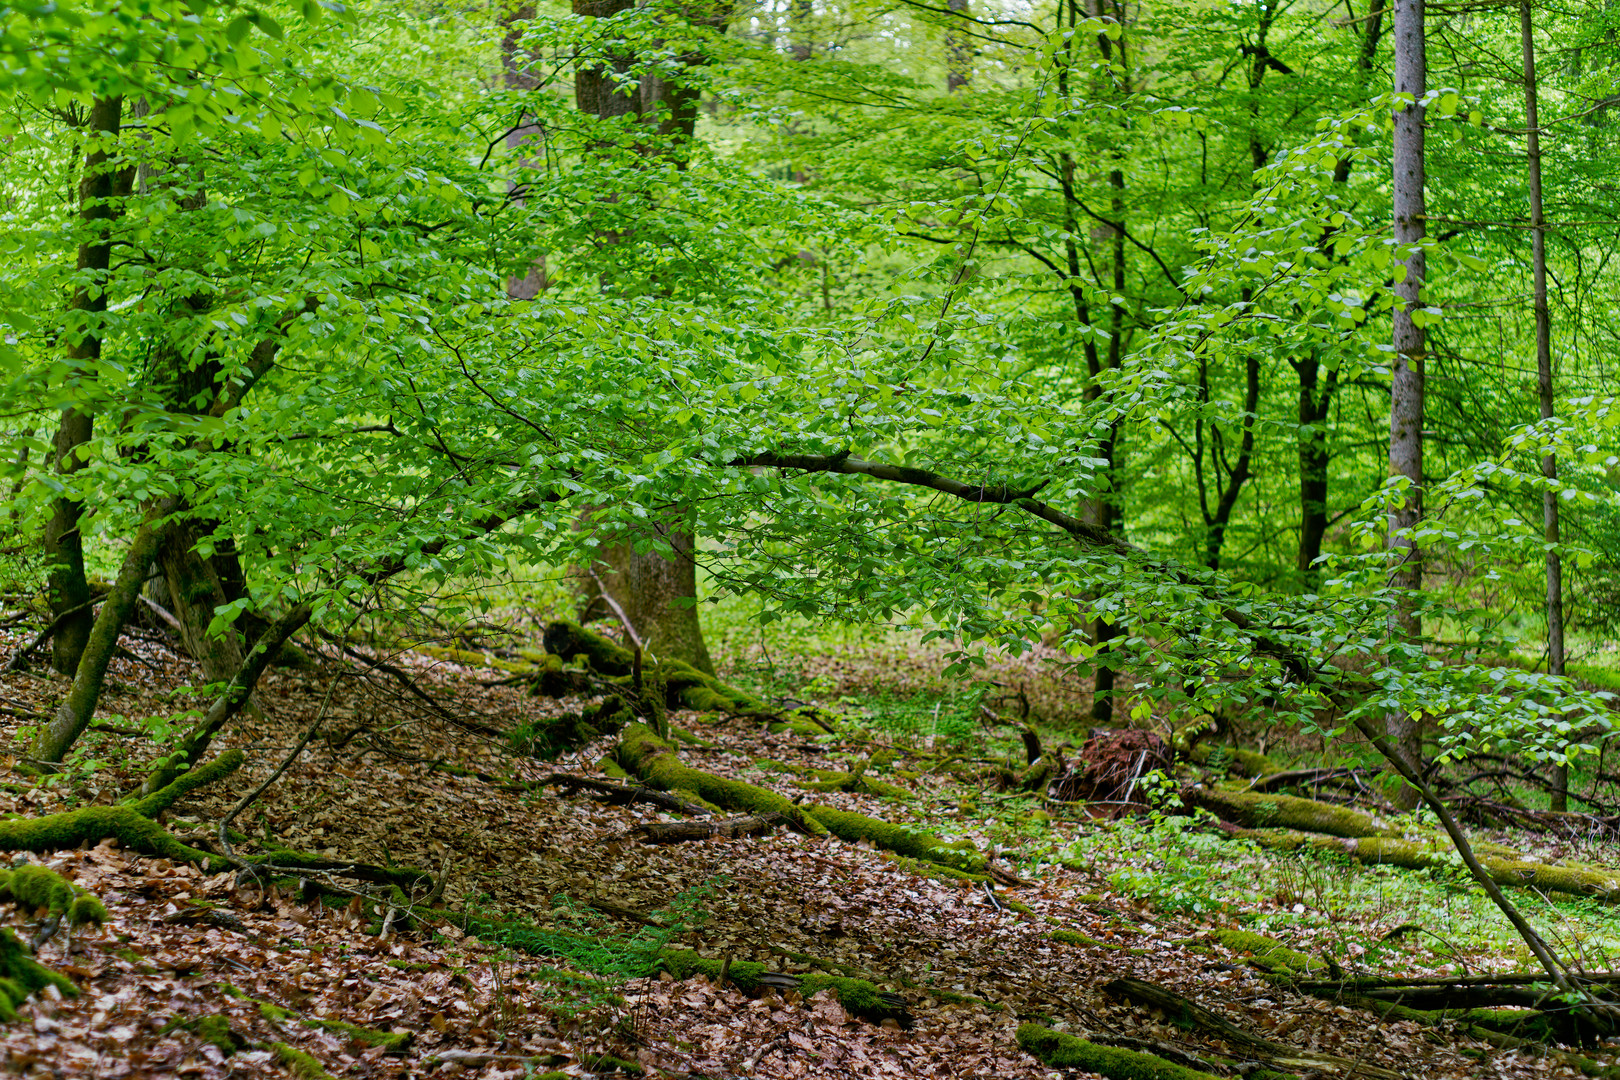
1060,1050
678,832
1188,1012
624,794
643,754
1259,811
1569,879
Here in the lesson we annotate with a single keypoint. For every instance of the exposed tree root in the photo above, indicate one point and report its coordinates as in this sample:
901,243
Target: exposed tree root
685,686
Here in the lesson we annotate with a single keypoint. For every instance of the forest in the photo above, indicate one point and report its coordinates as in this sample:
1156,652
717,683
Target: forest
810,538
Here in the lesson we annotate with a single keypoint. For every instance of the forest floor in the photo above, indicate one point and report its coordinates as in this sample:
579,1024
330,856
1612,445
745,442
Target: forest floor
392,781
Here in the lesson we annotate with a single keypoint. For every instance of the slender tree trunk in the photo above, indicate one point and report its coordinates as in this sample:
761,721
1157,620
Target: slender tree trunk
958,51
516,75
1314,406
74,715
66,586
1316,393
1544,376
1411,346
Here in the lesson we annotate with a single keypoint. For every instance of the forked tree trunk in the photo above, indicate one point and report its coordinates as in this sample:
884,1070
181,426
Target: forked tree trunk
1411,346
958,50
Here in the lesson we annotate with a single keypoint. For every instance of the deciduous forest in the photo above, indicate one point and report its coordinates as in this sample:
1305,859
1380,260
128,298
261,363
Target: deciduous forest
810,538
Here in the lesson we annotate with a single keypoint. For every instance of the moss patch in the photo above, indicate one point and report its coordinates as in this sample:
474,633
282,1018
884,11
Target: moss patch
34,887
1269,951
858,996
926,847
1256,811
1061,1051
21,975
300,1064
1074,937
392,1041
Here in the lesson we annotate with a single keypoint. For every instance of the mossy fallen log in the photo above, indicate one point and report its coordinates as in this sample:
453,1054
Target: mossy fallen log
685,686
1438,854
911,843
1184,1011
1059,1050
130,824
858,996
1259,811
643,754
1272,954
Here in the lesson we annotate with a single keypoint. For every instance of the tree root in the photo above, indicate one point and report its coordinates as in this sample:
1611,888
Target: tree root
685,686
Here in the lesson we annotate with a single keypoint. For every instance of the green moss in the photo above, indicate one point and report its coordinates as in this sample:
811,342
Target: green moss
1285,811
857,996
187,782
1269,951
860,997
832,780
652,759
1061,1051
853,828
273,1012
885,758
23,975
34,887
406,965
392,1041
214,1030
937,871
301,1065
1074,937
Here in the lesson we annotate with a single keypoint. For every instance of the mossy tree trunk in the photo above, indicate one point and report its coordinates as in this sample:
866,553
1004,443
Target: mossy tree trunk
74,714
101,185
656,594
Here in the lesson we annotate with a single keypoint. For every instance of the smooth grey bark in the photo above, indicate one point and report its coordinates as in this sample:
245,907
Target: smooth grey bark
1405,732
515,75
1544,375
74,714
67,590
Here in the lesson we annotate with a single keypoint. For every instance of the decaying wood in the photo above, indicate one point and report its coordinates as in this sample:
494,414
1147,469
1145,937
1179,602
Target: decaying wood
676,832
1188,1011
624,794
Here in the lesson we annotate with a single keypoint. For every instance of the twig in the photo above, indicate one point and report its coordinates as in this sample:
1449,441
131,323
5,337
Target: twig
247,800
20,658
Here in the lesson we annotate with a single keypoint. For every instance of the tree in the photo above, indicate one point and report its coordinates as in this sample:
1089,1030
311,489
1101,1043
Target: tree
1405,729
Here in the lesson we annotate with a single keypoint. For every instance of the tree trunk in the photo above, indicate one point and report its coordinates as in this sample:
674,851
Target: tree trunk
1544,378
74,715
1411,345
656,595
958,52
195,591
66,586
1314,405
